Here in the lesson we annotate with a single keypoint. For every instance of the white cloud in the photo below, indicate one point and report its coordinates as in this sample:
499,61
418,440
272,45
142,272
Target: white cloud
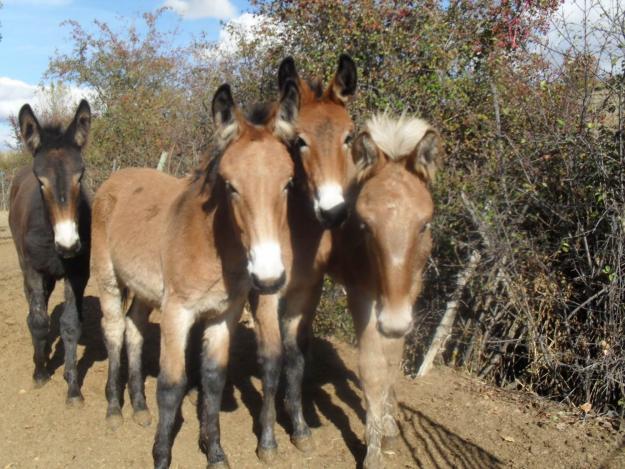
246,27
588,25
195,9
15,93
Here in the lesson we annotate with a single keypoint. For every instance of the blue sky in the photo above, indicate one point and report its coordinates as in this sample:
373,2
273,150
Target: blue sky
31,33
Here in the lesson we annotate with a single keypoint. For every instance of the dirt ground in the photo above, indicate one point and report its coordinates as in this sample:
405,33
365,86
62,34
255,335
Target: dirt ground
448,420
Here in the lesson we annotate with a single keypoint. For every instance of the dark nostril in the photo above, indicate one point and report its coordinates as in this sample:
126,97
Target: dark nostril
335,216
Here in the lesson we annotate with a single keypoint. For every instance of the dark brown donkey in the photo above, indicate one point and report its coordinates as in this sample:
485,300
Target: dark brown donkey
50,219
381,252
322,158
194,248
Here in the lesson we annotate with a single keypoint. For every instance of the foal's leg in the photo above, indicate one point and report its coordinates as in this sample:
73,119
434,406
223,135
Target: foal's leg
393,351
265,311
172,378
37,289
113,327
296,325
373,373
215,353
136,324
71,328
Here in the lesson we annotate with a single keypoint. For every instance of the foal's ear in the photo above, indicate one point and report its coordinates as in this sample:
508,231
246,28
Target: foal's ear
345,80
29,128
223,110
285,71
288,109
78,130
427,156
364,152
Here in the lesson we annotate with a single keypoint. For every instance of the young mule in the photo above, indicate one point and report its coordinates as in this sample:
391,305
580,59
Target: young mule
317,202
381,252
50,218
193,248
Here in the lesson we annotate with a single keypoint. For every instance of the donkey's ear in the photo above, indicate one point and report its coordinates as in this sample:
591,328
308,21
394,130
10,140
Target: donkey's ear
29,128
285,71
288,109
427,156
223,110
364,152
345,80
78,130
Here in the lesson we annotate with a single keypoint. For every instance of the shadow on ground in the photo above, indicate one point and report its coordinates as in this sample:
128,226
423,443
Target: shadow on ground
429,443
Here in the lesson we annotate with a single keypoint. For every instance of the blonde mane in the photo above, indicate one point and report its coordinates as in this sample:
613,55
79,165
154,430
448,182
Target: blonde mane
396,137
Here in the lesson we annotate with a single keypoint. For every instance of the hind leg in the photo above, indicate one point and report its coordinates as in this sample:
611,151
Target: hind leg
296,325
71,328
38,289
113,327
136,323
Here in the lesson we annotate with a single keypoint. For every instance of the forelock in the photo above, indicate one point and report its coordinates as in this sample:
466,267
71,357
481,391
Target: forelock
396,137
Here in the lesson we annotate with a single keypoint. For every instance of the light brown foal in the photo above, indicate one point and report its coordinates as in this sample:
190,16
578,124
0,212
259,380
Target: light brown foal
380,253
193,248
322,159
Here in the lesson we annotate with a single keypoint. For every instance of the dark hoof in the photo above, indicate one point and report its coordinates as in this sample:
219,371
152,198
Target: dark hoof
267,455
219,465
40,379
142,417
390,444
305,444
114,420
75,402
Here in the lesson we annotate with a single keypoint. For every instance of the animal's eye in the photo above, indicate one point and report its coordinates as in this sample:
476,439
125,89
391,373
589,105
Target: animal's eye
231,190
288,185
425,227
301,143
348,139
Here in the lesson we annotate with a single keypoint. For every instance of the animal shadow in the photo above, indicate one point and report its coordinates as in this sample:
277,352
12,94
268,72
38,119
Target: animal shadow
433,445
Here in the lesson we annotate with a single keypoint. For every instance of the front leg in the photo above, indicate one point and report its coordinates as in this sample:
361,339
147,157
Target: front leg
296,324
267,328
172,379
71,328
215,354
37,289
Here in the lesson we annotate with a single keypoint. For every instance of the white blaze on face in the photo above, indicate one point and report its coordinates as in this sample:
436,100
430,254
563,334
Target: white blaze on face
396,321
265,261
329,196
66,234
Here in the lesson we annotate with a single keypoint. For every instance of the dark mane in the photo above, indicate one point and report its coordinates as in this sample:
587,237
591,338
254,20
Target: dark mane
260,113
316,86
206,173
53,135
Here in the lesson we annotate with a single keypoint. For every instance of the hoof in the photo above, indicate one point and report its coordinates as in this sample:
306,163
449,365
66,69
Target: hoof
40,380
305,444
142,417
390,444
373,460
192,396
114,420
219,465
267,455
75,402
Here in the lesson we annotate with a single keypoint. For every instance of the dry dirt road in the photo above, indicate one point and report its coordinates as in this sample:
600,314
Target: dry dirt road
448,420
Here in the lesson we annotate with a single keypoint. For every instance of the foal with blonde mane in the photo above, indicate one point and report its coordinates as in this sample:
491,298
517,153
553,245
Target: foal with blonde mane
381,252
316,203
193,248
